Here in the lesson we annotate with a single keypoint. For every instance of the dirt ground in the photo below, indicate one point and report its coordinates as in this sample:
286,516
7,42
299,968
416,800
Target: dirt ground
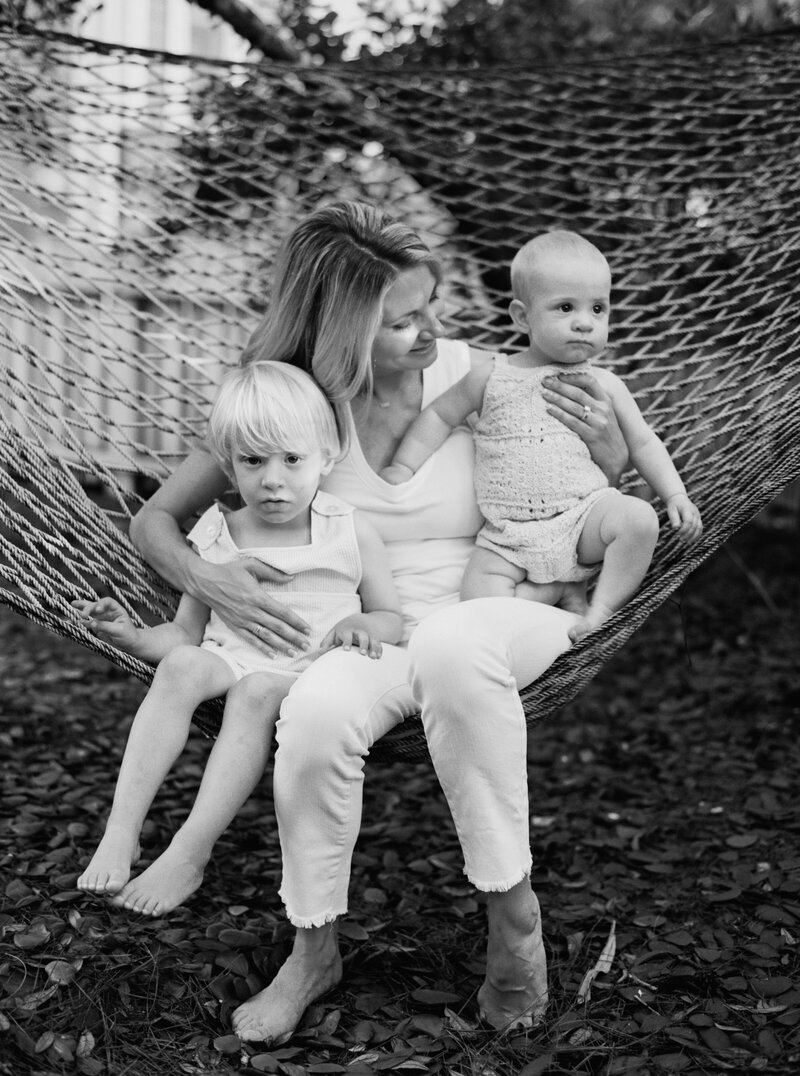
664,819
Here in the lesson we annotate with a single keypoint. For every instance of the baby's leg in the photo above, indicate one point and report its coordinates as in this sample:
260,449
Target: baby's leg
622,532
488,575
186,677
235,766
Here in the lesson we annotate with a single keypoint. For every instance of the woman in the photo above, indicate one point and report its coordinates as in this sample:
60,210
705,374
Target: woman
355,303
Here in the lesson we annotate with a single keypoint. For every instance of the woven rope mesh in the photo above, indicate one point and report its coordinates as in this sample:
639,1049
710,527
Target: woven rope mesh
143,196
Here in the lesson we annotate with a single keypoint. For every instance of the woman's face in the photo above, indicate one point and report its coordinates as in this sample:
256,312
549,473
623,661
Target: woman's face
410,326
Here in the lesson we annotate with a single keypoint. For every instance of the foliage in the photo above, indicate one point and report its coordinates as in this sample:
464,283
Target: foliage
42,13
479,32
528,32
663,801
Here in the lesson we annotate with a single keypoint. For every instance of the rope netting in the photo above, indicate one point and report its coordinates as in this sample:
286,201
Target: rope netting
143,196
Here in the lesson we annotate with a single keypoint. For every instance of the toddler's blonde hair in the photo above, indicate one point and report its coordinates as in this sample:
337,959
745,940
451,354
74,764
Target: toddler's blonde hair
270,407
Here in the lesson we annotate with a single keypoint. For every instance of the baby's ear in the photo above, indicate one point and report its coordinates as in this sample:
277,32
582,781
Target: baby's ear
327,466
519,314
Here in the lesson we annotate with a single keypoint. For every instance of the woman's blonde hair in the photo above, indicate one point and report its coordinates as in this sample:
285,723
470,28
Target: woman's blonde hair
330,279
270,407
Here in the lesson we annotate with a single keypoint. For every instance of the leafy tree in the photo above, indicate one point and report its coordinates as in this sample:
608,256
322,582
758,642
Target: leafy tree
467,32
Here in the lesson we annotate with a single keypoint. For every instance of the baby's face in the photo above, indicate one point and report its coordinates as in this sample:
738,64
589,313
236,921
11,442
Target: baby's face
567,310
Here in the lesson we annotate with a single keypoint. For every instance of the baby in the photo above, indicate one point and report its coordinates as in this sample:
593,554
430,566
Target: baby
551,519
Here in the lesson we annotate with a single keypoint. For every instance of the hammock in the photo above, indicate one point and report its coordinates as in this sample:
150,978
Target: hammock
143,195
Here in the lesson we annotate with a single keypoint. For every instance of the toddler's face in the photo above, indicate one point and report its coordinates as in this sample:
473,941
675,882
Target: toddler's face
569,300
279,486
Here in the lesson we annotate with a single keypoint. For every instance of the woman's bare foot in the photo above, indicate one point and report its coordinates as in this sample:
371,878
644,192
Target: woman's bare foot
313,968
596,615
165,884
110,866
514,993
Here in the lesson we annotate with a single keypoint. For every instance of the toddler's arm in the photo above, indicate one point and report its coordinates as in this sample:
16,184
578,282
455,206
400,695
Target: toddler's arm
108,620
651,459
380,619
435,423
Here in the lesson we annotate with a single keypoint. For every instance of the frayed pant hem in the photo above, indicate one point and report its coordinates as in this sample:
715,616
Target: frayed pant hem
502,886
306,922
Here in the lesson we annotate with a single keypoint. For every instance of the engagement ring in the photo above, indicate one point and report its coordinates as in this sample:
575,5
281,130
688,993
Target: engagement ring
586,412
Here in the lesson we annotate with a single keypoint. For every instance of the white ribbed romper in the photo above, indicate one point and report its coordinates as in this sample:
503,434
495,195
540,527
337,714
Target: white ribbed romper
322,590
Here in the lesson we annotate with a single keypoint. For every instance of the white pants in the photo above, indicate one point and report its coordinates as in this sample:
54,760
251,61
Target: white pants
467,664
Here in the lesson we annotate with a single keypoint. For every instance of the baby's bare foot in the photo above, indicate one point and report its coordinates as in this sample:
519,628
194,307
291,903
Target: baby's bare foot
514,993
165,884
272,1015
110,866
595,616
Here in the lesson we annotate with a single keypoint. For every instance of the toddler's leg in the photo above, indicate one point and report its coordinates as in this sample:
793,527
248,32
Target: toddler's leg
186,677
235,766
622,532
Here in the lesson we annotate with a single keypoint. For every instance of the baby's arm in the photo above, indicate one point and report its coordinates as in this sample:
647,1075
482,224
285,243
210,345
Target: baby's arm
435,423
651,459
380,619
108,620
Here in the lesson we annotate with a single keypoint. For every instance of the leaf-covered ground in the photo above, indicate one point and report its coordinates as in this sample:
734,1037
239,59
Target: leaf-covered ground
664,821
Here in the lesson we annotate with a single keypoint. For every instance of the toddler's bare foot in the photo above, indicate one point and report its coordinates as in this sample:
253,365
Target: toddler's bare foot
514,993
165,884
595,616
110,866
272,1015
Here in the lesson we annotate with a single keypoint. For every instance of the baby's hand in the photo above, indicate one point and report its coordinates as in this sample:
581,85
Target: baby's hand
396,474
351,632
685,518
108,621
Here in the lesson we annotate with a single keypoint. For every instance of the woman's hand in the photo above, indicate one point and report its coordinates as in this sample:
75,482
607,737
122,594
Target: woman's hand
231,590
234,592
583,406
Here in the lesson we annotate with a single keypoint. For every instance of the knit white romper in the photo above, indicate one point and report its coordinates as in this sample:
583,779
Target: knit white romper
534,478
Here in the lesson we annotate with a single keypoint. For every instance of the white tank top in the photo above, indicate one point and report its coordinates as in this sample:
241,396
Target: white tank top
428,523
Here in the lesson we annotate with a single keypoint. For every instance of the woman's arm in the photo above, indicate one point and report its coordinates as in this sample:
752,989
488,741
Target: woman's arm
232,589
568,395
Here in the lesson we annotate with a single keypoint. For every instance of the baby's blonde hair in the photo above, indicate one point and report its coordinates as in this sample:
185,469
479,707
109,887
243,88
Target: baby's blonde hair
528,259
270,407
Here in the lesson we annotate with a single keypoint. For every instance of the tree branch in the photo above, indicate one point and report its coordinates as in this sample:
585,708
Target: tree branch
248,25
